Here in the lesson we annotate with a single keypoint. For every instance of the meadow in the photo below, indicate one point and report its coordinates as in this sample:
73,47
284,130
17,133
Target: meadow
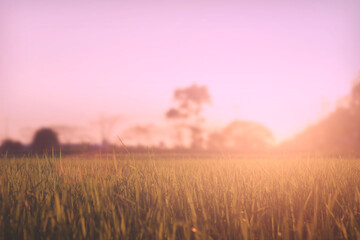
149,196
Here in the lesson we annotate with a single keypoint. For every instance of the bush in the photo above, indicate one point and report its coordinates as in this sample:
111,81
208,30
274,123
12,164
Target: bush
45,140
11,147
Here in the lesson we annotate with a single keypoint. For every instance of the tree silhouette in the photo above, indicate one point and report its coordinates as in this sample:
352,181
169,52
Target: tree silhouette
355,97
186,114
339,132
11,147
241,136
247,136
45,140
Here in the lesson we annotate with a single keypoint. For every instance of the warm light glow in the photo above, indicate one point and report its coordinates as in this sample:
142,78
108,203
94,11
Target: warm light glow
281,64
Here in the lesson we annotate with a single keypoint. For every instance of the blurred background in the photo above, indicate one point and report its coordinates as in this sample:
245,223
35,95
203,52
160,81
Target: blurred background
242,76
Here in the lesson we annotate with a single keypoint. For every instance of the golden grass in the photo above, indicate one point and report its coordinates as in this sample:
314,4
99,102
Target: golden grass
179,197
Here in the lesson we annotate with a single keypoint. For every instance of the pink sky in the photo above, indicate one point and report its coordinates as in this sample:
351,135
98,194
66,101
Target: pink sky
283,64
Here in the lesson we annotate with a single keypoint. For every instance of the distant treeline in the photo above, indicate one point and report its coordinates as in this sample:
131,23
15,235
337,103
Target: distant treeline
187,121
238,136
337,133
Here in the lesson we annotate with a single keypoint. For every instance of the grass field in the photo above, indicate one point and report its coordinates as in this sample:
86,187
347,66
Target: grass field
179,197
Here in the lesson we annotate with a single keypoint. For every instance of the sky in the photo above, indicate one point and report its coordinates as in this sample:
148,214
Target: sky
284,64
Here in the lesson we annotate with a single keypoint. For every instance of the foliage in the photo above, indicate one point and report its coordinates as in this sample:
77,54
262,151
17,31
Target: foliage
45,140
339,132
190,103
176,197
241,136
11,147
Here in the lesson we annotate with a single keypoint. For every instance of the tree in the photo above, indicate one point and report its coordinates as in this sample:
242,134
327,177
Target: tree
355,98
187,113
247,136
45,140
339,132
11,147
241,136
